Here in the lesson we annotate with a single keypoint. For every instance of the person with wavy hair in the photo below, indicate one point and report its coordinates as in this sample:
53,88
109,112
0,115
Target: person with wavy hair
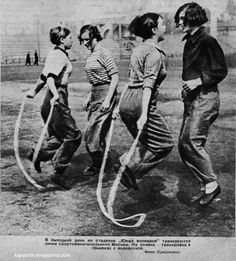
138,106
204,67
64,137
102,74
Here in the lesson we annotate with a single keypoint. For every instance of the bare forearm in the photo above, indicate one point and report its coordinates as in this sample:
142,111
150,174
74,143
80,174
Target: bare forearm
52,87
145,101
113,86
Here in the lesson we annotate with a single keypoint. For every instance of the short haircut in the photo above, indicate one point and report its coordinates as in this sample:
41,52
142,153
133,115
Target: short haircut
142,25
195,15
93,33
57,33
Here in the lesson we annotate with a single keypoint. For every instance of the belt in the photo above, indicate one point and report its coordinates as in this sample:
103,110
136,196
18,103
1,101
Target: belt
100,87
135,85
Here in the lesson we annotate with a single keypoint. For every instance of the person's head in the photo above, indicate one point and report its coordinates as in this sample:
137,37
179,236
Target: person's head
148,25
89,36
190,16
61,36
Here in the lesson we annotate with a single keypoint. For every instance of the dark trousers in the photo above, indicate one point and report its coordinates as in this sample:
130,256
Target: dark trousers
199,113
156,140
64,137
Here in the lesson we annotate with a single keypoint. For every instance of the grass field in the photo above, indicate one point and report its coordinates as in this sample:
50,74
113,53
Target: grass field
165,191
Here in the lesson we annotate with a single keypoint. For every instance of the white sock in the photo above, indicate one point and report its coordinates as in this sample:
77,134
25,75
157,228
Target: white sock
211,186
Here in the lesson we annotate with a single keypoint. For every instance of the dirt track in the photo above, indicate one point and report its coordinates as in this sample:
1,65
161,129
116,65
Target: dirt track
164,194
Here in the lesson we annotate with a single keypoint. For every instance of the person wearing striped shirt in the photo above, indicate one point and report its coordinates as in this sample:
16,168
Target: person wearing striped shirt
138,108
102,74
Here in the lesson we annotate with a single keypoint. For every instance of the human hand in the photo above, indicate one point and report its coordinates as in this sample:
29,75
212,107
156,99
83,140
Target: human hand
54,100
30,94
86,104
105,105
191,84
183,95
115,113
141,121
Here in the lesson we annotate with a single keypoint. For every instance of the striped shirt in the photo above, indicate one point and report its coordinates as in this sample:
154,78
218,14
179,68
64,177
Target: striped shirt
100,66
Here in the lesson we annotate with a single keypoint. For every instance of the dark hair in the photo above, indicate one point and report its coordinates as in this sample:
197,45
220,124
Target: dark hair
195,15
93,33
142,25
57,33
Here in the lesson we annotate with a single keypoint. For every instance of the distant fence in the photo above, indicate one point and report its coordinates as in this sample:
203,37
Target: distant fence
15,47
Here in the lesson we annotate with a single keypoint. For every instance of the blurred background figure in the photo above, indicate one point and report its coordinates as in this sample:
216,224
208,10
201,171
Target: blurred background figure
36,58
28,60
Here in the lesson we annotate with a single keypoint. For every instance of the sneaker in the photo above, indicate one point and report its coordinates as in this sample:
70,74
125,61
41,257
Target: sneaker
37,162
61,181
91,171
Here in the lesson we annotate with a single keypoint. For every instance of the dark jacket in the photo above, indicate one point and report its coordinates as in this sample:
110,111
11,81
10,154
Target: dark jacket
204,58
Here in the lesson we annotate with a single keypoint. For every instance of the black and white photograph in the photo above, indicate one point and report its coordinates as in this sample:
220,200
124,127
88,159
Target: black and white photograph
118,130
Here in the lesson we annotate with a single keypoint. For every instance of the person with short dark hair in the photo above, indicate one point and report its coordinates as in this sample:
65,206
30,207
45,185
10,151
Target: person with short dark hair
204,67
103,76
36,58
64,136
138,107
28,59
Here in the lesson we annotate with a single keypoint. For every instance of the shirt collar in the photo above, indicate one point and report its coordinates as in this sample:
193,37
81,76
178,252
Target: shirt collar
97,47
194,37
156,46
59,48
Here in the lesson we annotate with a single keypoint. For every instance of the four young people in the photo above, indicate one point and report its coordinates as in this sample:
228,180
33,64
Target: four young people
204,67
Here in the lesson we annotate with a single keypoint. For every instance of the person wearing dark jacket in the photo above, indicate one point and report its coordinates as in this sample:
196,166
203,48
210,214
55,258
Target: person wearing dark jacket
28,59
204,67
36,58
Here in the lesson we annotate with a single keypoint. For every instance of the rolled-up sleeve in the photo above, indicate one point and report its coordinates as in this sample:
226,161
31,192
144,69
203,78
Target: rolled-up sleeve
151,69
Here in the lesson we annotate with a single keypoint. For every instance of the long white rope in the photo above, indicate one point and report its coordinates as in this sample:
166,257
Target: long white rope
114,187
16,147
113,190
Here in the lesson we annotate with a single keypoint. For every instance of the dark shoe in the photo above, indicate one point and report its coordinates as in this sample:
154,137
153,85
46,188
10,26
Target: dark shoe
125,181
208,198
198,196
37,162
61,181
128,179
91,171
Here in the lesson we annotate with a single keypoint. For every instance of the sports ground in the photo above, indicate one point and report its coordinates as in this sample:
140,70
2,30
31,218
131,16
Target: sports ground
164,192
